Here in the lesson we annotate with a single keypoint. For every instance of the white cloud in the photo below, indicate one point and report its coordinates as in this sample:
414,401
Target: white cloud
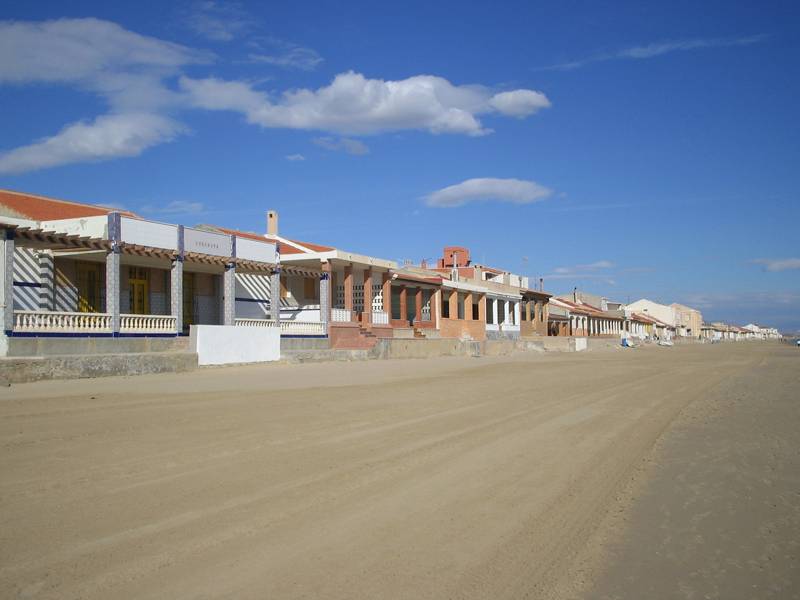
218,21
515,191
355,105
657,49
126,69
280,53
348,145
519,103
176,207
295,157
600,264
781,264
134,74
108,136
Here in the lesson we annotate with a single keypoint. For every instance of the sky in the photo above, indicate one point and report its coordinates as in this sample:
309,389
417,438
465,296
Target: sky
632,149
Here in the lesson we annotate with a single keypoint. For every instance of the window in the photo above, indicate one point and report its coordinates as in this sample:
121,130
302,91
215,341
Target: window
446,305
476,310
512,309
489,311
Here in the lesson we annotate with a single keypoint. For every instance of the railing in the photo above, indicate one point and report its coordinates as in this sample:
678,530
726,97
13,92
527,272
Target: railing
147,324
379,317
302,328
41,321
254,323
341,315
286,327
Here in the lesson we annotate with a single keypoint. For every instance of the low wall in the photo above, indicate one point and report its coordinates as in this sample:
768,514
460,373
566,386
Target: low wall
74,346
506,347
37,368
289,344
225,345
425,348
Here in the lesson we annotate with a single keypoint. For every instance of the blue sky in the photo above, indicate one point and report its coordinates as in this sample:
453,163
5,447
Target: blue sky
632,149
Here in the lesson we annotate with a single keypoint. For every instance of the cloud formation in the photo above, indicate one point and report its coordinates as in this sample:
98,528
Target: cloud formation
176,207
355,105
779,264
280,53
656,49
295,157
136,76
348,145
515,191
218,21
108,136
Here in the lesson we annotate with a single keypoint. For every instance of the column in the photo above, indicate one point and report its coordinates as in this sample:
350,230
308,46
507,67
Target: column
368,296
325,295
113,287
482,309
468,307
47,278
275,295
528,310
176,292
403,303
348,289
386,291
7,275
418,305
229,295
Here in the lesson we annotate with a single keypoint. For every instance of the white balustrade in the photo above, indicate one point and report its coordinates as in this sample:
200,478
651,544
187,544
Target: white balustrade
254,323
379,317
41,321
302,328
341,315
147,324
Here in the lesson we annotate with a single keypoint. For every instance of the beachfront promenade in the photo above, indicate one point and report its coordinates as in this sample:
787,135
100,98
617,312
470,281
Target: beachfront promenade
502,477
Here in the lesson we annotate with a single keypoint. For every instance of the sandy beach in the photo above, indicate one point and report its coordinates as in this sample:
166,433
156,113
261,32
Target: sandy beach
648,473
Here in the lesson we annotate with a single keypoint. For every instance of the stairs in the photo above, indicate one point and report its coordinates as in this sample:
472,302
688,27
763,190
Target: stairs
418,334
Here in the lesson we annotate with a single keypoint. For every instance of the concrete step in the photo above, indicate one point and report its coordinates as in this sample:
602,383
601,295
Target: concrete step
339,354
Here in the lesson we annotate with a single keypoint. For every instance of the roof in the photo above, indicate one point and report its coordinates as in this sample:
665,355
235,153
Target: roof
284,247
42,208
418,278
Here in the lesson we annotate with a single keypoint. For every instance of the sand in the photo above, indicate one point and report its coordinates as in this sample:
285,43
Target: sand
540,476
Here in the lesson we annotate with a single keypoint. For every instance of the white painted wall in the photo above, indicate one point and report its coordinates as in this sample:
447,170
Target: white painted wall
224,345
662,312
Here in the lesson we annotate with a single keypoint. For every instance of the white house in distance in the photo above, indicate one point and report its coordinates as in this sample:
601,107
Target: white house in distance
662,312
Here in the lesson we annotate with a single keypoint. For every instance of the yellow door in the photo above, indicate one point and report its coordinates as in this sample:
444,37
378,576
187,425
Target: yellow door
89,287
139,283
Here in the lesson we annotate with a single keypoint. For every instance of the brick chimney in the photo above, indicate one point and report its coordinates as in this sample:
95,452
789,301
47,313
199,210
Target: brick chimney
272,222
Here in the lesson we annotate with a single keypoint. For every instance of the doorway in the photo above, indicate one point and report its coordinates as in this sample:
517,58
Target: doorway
139,285
91,285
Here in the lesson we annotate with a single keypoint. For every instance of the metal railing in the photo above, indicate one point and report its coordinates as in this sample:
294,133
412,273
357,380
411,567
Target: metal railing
42,321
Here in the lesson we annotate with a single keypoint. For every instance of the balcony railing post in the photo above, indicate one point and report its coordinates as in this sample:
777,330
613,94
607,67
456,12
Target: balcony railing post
7,278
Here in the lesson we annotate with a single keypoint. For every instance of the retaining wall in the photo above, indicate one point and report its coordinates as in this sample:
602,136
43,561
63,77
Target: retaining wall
37,368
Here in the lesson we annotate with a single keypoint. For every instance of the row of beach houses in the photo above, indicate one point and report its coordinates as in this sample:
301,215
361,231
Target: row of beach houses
106,278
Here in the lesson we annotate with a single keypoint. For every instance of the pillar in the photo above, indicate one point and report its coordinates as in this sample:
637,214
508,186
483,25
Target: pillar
418,305
176,292
348,289
275,295
47,278
468,307
113,287
528,310
7,275
482,309
325,295
386,286
368,295
403,303
229,295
